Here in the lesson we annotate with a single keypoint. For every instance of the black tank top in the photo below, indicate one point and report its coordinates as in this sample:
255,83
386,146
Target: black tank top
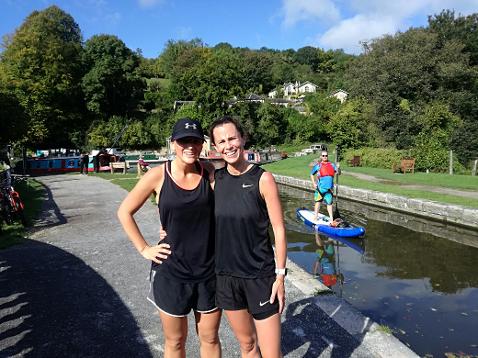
188,218
243,247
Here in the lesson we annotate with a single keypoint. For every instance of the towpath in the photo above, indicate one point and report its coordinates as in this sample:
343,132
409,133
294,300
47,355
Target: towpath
77,288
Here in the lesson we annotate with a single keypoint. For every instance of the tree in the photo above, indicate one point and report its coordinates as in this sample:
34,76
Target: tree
112,84
432,144
463,78
322,105
256,72
12,117
416,67
348,127
271,125
308,55
303,129
42,64
247,114
168,61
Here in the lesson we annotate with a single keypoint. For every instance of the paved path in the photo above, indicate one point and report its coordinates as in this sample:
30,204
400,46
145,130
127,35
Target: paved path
436,189
77,289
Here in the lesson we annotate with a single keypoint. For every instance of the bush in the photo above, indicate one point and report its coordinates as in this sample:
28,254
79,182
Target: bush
433,158
376,157
432,154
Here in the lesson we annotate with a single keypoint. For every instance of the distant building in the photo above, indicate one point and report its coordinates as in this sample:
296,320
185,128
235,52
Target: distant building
252,97
294,89
179,104
340,94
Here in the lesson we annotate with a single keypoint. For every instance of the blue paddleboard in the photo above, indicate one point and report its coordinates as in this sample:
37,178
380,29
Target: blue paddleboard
321,224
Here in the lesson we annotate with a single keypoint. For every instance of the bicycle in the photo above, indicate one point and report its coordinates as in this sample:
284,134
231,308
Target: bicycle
11,205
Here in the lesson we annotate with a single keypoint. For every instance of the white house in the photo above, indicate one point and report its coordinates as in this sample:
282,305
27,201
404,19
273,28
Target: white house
340,94
307,87
290,89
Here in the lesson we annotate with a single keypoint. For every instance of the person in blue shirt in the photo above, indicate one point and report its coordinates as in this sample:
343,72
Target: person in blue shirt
324,186
324,266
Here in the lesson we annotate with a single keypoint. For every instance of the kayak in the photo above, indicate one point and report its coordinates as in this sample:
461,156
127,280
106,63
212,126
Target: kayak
321,224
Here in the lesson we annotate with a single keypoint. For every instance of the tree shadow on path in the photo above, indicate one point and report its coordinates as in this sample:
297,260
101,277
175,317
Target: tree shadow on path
52,304
310,331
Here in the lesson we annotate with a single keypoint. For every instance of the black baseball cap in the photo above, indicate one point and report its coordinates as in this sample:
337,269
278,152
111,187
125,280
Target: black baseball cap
187,127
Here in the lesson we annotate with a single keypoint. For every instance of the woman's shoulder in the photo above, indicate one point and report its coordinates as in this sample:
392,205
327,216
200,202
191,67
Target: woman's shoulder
155,172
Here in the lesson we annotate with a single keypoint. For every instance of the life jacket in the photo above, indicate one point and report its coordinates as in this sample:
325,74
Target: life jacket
328,280
326,170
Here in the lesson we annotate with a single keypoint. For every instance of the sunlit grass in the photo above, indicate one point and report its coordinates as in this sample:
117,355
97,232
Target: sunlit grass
299,167
435,179
126,181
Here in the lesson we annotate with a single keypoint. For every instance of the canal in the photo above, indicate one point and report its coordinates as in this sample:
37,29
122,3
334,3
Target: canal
417,277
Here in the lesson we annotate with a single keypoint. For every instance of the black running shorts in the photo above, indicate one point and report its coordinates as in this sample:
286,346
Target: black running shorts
177,299
234,293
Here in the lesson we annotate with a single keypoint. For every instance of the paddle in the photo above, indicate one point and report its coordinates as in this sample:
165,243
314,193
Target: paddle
336,210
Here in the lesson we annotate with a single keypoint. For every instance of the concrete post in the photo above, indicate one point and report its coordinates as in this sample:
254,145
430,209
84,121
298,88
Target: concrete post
450,170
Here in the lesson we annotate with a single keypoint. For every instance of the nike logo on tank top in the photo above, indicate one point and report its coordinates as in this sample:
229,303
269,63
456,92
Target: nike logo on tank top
243,247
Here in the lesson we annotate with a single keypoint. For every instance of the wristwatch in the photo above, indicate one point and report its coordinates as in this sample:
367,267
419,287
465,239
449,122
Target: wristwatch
281,271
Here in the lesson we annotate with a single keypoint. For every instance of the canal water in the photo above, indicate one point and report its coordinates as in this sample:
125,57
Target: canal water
417,277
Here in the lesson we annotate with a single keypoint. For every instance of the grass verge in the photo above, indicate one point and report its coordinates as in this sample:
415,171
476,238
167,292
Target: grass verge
299,167
126,181
31,192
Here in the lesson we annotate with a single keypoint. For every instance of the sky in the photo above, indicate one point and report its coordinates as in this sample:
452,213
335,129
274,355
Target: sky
275,24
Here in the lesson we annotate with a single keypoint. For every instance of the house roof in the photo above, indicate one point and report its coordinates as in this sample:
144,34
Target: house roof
308,83
253,96
339,90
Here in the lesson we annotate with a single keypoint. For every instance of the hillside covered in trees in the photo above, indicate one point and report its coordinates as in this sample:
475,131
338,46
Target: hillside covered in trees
416,90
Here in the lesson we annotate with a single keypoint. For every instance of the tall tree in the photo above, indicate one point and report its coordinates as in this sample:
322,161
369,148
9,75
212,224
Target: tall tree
463,79
112,83
13,119
42,64
308,55
415,67
174,50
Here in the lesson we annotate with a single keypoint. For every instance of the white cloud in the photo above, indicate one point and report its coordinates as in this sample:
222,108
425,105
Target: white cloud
367,19
148,3
295,11
348,33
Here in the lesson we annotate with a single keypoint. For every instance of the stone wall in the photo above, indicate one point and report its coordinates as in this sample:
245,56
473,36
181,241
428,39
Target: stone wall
430,209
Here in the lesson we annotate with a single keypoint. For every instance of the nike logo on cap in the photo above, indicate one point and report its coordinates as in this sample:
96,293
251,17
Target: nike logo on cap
247,185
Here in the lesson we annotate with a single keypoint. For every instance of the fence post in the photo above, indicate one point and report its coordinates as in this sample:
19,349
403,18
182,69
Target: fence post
473,172
450,170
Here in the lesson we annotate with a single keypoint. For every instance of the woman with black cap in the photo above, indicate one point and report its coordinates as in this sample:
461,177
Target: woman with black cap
186,280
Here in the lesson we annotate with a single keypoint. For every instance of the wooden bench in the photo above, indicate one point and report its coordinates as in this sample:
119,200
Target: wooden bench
406,165
355,161
119,165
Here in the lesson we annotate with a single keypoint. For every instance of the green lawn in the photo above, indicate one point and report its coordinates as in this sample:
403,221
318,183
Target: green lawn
299,168
445,180
31,193
126,181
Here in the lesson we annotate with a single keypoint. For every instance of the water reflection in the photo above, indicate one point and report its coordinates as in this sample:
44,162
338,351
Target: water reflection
326,266
418,277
